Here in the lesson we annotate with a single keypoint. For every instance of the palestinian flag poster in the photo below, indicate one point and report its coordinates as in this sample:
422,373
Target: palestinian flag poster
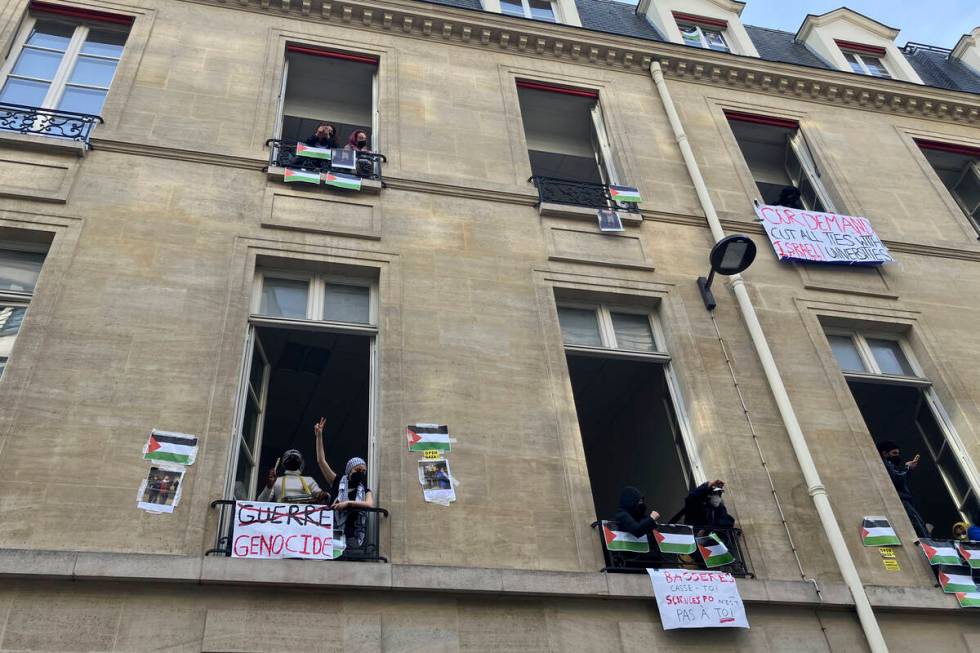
956,579
623,541
313,152
968,599
625,194
970,552
939,552
878,531
293,175
428,437
170,447
338,180
675,538
714,552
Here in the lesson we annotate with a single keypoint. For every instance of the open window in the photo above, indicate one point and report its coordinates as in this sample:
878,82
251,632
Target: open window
958,167
703,32
781,161
865,59
628,407
898,404
21,257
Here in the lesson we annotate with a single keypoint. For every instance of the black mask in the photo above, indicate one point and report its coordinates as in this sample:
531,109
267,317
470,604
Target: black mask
291,464
361,143
640,510
357,478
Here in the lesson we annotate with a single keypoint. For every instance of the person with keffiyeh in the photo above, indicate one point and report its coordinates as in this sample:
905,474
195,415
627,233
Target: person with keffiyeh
350,491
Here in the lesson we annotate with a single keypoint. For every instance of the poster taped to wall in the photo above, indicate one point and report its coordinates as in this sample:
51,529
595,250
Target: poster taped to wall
274,531
428,437
160,490
437,481
697,599
170,447
609,220
817,237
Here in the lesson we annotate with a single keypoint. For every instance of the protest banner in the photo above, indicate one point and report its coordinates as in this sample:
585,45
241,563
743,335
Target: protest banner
282,530
812,236
697,599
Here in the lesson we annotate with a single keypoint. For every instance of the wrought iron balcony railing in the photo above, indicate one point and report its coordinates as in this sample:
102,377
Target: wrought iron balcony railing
578,193
282,154
634,562
368,551
47,122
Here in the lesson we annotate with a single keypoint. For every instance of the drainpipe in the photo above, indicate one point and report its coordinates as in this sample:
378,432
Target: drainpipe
831,528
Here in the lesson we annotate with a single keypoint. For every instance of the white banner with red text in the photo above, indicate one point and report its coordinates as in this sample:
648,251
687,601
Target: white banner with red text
811,236
282,530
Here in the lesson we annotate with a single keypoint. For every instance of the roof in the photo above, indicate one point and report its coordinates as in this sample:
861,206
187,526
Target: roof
612,17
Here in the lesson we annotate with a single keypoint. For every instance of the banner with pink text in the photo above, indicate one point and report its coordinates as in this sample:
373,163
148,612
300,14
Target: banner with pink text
798,235
282,530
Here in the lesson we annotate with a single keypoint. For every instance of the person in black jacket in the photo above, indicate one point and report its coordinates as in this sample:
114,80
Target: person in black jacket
632,516
324,136
704,508
901,475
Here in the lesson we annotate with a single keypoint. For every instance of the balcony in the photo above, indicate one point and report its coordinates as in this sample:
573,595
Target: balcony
40,124
638,563
367,552
282,155
580,199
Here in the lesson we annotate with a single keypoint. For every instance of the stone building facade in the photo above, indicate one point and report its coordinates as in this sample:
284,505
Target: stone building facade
150,254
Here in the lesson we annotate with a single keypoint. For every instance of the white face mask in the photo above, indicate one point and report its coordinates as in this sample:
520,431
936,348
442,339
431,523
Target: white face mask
715,501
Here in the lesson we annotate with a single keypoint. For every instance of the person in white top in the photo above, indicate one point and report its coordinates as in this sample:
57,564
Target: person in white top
292,486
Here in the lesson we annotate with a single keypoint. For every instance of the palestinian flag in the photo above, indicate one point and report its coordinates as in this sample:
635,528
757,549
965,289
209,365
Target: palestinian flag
428,437
968,599
349,182
292,174
970,551
626,194
167,447
956,579
313,152
877,531
623,541
714,551
675,538
939,552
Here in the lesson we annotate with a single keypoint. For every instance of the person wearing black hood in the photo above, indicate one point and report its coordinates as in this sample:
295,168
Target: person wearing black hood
632,516
790,198
704,509
901,475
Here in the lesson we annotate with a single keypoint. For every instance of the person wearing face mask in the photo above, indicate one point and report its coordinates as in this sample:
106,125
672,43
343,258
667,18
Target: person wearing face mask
633,515
901,475
350,491
324,136
705,510
358,141
292,486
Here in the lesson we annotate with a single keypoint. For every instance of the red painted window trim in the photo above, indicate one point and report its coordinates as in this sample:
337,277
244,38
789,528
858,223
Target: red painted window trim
861,48
538,86
330,54
79,13
948,147
771,121
700,20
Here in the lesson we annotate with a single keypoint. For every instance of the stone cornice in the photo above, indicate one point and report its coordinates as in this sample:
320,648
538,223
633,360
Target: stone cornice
589,48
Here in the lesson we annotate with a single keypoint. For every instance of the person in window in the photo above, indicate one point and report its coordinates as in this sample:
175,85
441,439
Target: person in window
789,197
633,515
292,486
964,530
324,136
358,141
350,491
705,510
901,475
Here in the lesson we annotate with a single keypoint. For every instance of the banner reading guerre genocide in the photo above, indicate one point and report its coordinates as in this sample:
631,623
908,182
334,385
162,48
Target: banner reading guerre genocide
697,599
821,237
282,530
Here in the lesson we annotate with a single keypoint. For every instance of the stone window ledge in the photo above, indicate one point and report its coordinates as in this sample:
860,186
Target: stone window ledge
40,143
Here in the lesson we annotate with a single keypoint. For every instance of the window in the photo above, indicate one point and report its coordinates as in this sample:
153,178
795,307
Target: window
781,161
301,295
958,167
64,59
898,404
627,404
536,9
702,32
866,64
20,266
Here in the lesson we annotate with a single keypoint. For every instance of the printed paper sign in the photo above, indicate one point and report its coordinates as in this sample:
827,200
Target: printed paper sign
160,490
282,530
697,599
436,481
821,237
432,454
609,220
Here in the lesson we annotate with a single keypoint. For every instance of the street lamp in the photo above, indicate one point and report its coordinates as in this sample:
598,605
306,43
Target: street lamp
730,255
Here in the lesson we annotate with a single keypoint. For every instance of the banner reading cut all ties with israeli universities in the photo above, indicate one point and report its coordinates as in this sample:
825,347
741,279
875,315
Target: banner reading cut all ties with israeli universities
675,538
812,236
282,530
617,540
878,531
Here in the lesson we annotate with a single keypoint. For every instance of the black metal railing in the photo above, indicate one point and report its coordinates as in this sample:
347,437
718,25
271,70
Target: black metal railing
633,562
578,193
367,551
47,122
282,154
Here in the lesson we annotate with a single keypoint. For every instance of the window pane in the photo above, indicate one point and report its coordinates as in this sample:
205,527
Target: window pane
579,326
39,64
690,35
82,100
951,470
21,91
243,477
875,67
283,297
968,189
3,364
48,34
11,317
846,353
93,72
344,303
104,43
19,270
633,332
512,7
889,356
542,10
929,427
715,40
855,64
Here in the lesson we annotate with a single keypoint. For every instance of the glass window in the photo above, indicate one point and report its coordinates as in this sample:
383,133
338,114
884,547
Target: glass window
715,40
890,357
19,270
703,37
633,332
11,317
284,297
866,64
512,7
542,10
344,303
536,9
846,353
579,326
954,475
